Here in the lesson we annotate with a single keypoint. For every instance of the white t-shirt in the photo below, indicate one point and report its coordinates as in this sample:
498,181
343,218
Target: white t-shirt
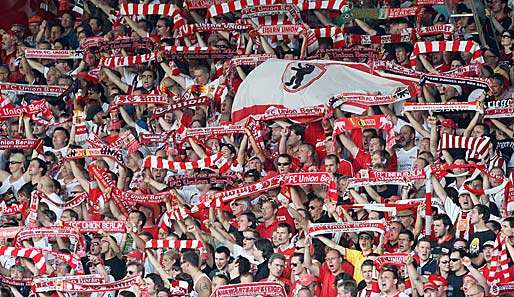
406,158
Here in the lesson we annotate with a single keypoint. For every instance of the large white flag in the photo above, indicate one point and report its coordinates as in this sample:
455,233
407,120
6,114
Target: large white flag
296,84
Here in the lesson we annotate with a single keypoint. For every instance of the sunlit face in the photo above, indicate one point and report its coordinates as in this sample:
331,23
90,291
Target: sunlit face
387,281
201,77
248,240
221,260
333,260
276,267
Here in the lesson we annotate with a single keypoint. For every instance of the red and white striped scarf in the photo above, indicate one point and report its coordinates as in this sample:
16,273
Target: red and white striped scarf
425,47
31,253
52,232
477,146
396,259
189,30
159,9
336,33
112,61
216,160
173,244
499,266
198,52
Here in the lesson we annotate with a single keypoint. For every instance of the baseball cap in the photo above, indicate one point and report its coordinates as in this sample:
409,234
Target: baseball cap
437,278
368,233
488,243
138,255
448,123
429,286
35,19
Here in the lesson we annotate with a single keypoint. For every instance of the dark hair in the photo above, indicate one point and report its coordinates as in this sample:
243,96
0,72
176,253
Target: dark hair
141,215
510,220
368,262
157,280
332,157
265,246
408,233
299,255
484,211
287,156
223,250
251,217
192,258
285,225
64,130
42,165
298,130
139,266
244,265
392,269
73,214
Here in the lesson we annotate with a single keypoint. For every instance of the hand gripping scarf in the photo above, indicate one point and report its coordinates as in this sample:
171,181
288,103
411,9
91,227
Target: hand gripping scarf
48,284
290,179
425,47
31,253
375,121
52,232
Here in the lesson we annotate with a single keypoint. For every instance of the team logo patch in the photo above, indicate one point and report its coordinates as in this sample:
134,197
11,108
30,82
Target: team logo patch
299,75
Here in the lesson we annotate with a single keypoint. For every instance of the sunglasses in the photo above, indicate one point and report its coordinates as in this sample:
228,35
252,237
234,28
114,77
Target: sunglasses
506,36
14,162
283,164
295,264
454,259
248,238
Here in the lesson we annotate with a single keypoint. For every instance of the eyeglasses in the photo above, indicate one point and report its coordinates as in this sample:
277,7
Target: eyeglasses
506,36
454,259
295,264
248,238
283,164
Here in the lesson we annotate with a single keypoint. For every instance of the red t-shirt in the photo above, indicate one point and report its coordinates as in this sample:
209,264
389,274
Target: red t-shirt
327,278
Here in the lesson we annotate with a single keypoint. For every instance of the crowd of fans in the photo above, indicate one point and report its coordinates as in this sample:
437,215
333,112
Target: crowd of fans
262,237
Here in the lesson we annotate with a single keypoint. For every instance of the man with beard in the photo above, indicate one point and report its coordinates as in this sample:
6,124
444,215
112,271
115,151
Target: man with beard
408,151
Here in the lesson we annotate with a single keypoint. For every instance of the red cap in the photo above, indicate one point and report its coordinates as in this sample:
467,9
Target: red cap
138,255
430,286
437,278
35,19
448,123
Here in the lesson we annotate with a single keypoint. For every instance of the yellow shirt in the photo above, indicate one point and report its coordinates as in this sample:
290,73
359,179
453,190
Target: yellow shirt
356,258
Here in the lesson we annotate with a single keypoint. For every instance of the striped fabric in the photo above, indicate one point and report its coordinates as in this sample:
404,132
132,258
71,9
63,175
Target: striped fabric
336,33
160,163
112,62
159,9
174,244
499,259
31,253
477,146
424,47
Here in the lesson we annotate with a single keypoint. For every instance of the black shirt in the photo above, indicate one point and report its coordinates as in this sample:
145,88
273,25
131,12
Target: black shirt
118,269
477,240
455,285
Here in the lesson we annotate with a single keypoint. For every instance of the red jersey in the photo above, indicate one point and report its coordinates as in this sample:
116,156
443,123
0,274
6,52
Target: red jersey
328,278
